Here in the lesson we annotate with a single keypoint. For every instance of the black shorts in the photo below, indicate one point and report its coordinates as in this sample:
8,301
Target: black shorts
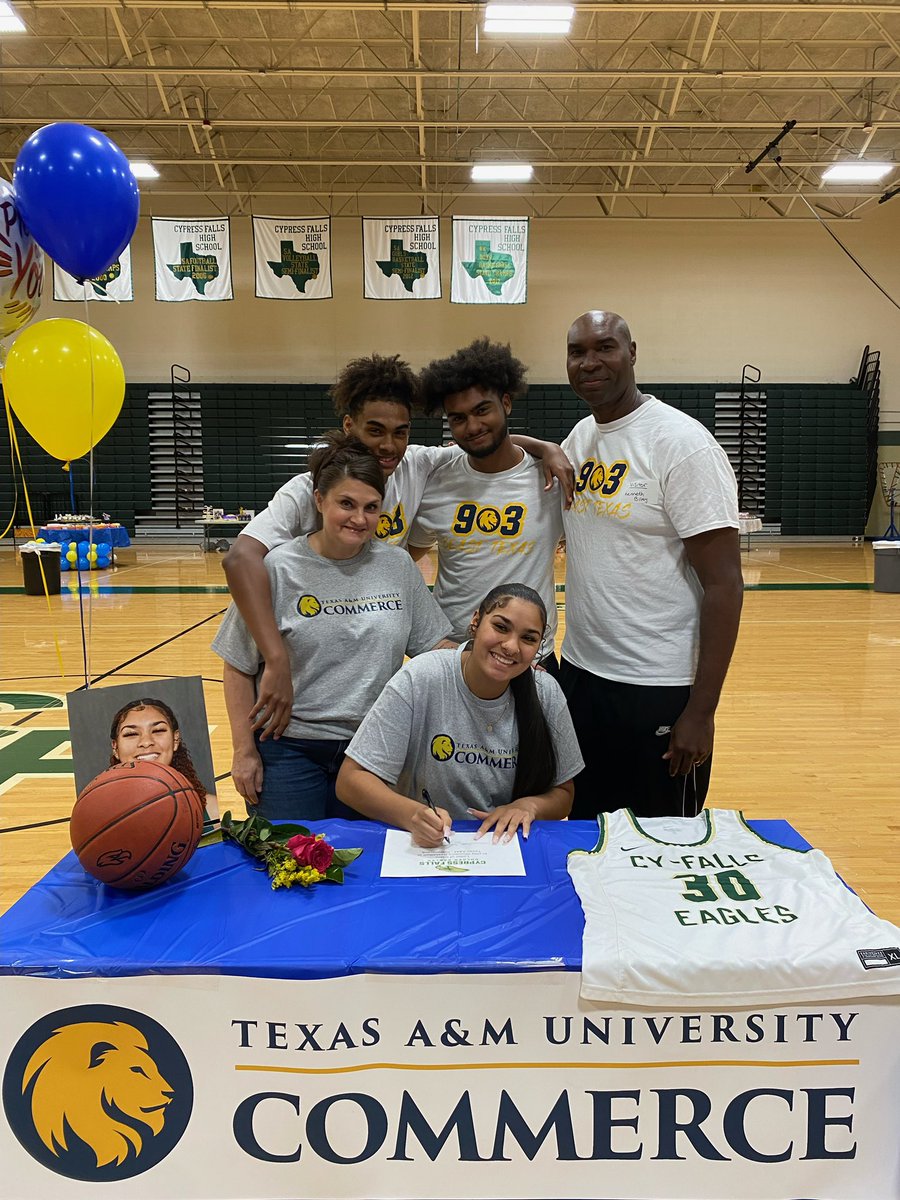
623,732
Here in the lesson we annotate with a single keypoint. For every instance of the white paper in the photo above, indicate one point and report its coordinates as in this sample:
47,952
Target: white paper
463,856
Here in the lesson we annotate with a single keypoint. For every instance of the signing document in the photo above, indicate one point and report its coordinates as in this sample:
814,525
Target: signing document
462,855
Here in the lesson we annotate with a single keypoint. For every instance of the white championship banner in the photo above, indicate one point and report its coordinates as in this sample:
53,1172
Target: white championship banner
219,1087
115,284
293,258
192,258
490,260
401,258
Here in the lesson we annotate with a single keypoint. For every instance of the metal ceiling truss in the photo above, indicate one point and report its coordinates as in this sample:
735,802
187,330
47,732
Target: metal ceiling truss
645,110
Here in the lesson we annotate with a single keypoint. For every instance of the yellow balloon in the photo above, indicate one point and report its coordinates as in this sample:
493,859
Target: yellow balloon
66,385
72,556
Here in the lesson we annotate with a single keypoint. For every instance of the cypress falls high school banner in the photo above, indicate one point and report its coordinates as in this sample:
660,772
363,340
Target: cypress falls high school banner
114,284
401,258
369,1086
293,257
490,260
192,258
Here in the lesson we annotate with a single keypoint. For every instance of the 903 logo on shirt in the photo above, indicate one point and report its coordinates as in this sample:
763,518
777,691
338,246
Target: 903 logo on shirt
596,476
471,518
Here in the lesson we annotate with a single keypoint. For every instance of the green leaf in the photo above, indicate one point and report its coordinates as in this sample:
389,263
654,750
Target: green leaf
286,831
343,857
335,874
265,834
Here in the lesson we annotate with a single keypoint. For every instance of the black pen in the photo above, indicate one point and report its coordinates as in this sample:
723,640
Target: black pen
428,800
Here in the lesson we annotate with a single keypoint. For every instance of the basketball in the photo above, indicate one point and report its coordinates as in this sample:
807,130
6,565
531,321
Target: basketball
135,826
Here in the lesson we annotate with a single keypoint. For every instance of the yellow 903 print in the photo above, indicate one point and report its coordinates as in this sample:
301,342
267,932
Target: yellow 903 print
472,518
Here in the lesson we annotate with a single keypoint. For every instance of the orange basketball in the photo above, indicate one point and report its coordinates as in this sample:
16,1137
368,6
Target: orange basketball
136,825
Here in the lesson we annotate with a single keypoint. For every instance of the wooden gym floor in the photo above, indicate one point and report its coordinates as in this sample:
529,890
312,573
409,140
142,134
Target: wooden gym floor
808,727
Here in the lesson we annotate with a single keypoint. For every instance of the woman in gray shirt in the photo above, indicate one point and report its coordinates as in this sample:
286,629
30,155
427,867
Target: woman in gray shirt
478,732
348,609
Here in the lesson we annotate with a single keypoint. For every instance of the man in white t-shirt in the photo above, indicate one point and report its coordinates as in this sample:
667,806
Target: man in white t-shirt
653,585
488,511
373,399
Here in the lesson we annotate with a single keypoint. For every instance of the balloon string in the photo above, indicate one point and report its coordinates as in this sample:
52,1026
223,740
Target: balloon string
84,656
12,464
15,443
90,641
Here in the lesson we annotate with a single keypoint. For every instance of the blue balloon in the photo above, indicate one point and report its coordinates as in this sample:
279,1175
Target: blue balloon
104,549
78,196
83,547
103,562
83,564
64,564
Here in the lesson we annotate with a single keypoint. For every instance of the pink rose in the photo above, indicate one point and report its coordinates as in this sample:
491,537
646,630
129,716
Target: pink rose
320,856
301,846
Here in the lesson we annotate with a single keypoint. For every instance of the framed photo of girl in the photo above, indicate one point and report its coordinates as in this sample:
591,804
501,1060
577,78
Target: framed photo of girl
161,720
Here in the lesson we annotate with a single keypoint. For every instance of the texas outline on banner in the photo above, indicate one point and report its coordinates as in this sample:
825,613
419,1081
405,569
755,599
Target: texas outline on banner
192,258
115,284
490,260
292,258
401,258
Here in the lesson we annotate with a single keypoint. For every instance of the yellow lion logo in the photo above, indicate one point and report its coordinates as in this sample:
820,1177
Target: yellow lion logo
488,520
85,1072
442,747
384,526
308,606
598,477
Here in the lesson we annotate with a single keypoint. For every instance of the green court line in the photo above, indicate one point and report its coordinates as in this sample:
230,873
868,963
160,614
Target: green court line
220,590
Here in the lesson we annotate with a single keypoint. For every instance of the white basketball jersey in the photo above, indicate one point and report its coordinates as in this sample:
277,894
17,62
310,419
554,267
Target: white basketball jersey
694,910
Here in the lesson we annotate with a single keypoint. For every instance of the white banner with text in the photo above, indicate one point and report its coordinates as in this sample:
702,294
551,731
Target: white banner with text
192,258
503,1085
293,257
401,258
490,260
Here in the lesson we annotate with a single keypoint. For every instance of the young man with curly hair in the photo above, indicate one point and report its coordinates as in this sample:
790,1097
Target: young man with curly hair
487,510
373,398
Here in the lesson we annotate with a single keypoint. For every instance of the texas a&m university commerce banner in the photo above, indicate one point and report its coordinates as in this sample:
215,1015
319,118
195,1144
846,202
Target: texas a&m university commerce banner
440,1085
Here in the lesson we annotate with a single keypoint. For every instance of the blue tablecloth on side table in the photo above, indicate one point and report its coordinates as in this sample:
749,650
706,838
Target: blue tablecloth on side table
116,535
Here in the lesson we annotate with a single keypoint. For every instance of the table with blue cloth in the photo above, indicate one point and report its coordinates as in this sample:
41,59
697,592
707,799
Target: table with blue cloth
116,535
405,1038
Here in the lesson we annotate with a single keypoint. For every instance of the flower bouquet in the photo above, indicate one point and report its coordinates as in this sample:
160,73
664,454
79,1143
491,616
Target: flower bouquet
290,853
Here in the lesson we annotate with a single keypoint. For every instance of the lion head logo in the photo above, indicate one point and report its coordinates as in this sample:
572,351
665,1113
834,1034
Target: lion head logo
384,526
598,477
442,747
308,606
88,1098
488,520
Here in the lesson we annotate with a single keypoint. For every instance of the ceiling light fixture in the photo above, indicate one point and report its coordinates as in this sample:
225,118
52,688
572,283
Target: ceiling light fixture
528,18
10,21
856,172
143,170
488,172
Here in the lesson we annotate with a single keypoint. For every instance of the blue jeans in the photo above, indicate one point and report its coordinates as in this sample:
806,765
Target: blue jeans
298,779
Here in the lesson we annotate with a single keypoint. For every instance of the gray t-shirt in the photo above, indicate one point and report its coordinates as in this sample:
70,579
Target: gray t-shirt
427,730
347,625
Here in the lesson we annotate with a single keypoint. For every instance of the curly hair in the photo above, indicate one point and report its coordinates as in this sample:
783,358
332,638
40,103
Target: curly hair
484,364
342,457
374,378
181,759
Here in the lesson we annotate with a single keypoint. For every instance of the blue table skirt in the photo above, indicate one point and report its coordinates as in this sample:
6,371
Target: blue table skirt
220,916
117,537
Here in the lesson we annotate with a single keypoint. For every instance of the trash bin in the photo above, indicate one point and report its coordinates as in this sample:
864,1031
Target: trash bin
887,565
33,556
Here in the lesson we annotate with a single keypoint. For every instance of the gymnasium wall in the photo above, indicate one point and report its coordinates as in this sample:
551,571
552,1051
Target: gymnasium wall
703,298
